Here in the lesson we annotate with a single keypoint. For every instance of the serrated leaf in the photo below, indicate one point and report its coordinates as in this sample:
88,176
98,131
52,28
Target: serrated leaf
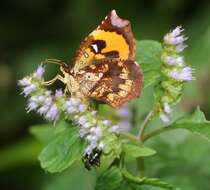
135,151
196,123
149,57
63,151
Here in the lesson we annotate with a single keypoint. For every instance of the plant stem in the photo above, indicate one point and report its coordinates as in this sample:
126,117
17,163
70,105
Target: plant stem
129,136
140,160
156,132
145,124
140,165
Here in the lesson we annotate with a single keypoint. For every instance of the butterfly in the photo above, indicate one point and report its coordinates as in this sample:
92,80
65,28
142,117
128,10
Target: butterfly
104,66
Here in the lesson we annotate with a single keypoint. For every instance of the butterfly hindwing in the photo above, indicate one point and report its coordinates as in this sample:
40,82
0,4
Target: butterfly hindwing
113,39
112,81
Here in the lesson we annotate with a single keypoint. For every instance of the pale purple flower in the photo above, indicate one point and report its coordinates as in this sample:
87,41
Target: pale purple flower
82,108
82,120
125,125
124,112
48,101
106,122
28,89
175,38
125,116
39,72
164,118
166,108
71,110
115,129
58,93
41,98
32,105
177,31
86,125
52,114
73,102
24,82
83,132
43,110
96,131
182,75
180,47
171,60
92,139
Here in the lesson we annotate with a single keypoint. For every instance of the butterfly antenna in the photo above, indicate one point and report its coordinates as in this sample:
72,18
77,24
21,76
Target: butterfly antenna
55,61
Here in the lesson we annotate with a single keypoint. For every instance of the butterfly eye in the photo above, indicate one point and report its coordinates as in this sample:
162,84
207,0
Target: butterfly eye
89,76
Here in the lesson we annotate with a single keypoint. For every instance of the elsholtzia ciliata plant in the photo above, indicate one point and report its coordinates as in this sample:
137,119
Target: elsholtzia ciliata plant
80,132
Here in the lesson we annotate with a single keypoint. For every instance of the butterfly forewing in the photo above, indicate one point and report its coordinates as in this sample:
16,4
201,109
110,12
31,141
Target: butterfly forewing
113,39
104,66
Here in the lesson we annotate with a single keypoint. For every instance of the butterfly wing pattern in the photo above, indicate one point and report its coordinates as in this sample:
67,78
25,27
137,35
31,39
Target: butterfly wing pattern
104,65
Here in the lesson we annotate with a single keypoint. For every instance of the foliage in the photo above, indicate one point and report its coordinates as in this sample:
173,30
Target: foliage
182,158
66,144
148,56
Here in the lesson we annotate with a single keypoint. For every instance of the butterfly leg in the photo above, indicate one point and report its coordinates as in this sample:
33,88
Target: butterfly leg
66,91
57,77
50,82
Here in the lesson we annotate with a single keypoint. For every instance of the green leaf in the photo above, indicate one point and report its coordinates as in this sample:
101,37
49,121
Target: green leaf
136,151
63,151
155,182
117,179
196,123
149,54
46,132
151,77
43,132
149,57
109,180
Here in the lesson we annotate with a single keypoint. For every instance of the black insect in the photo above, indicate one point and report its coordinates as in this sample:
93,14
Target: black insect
92,159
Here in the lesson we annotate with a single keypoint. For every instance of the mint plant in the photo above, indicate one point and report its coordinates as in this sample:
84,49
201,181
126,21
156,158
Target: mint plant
80,131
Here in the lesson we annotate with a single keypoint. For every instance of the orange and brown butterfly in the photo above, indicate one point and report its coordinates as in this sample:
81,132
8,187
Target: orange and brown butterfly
104,67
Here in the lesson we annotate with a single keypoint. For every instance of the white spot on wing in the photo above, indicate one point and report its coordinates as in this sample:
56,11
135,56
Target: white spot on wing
85,54
95,47
100,75
117,21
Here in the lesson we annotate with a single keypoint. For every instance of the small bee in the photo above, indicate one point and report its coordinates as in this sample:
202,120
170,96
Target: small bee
92,159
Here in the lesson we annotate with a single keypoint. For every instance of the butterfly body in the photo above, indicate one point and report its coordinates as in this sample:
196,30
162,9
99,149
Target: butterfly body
104,66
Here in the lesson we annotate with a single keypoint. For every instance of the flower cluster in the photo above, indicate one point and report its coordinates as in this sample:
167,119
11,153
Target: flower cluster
92,128
125,116
43,101
99,133
175,72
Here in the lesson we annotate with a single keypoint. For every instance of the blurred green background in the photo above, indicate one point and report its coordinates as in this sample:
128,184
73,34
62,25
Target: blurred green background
31,31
